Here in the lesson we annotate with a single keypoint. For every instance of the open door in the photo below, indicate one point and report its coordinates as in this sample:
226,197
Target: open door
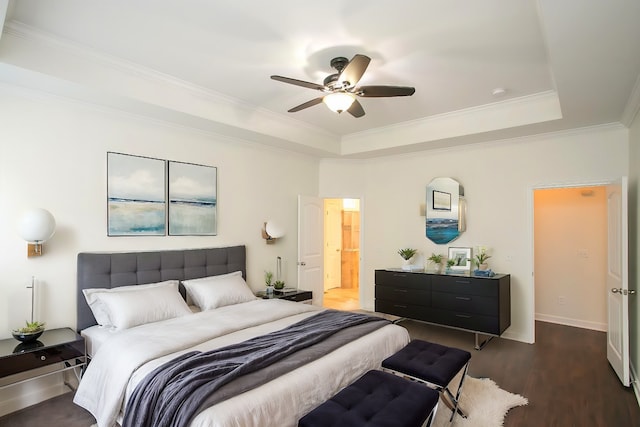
617,280
310,246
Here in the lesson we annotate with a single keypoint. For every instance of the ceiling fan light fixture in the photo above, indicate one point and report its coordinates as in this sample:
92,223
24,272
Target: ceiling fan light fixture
338,101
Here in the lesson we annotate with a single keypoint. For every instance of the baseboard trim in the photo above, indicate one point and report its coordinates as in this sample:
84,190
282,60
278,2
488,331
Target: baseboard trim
634,382
585,324
24,400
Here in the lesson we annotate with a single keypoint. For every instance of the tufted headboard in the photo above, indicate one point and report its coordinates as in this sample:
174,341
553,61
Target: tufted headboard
110,270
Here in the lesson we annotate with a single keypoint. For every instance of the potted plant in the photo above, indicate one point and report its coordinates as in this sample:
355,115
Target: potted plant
268,277
437,260
480,260
450,263
279,285
31,332
407,254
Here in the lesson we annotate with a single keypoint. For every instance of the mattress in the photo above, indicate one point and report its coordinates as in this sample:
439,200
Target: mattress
121,360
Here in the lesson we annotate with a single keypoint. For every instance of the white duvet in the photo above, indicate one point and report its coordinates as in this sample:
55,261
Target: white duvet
124,359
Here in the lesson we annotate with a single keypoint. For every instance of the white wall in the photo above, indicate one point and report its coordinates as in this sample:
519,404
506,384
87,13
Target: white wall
54,157
498,179
570,245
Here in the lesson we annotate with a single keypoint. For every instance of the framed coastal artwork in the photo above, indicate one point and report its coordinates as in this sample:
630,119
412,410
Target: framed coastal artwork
462,259
193,199
136,195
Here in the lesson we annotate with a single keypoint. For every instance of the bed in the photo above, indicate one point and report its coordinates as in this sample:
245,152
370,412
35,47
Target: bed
214,311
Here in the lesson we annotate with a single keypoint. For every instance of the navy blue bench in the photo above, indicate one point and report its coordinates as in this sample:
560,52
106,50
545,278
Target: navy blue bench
377,399
433,364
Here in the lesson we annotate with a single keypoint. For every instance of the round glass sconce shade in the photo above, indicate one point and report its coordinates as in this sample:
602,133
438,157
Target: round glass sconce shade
37,225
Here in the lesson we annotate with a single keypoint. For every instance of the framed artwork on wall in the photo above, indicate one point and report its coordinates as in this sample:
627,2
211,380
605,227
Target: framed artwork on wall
441,200
193,199
136,195
462,259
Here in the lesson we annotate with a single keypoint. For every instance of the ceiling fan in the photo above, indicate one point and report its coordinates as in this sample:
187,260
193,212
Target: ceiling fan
341,90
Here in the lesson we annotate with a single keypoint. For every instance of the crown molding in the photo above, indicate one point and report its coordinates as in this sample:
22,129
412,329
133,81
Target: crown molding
633,105
186,99
511,113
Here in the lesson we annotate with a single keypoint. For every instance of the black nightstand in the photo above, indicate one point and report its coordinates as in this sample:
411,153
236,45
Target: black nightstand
297,295
62,346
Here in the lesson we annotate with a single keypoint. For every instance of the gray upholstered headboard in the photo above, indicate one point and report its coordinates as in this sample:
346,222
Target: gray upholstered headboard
109,270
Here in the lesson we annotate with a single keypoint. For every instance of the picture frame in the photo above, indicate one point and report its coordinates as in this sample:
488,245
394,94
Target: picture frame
136,195
193,199
463,259
441,200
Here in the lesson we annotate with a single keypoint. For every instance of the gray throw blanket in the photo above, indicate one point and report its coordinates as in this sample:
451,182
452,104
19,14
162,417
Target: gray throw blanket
174,393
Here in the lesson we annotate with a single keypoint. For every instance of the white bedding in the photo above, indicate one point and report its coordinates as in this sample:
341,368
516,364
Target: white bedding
129,355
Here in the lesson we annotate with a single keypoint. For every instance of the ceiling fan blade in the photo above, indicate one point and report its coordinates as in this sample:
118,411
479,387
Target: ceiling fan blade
354,70
306,105
356,109
298,82
384,91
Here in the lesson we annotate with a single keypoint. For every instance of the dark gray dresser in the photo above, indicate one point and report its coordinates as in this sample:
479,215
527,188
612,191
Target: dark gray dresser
478,304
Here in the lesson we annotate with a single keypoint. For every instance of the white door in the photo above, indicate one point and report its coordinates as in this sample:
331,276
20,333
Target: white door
617,280
310,247
332,243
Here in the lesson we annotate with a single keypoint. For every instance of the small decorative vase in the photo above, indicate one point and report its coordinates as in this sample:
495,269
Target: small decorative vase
269,289
483,266
406,264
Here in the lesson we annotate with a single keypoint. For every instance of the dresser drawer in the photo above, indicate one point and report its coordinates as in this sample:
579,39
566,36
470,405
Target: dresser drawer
36,359
403,310
403,295
403,279
465,303
465,285
472,322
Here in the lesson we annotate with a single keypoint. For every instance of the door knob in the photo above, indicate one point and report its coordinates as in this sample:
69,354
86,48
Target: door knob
302,263
615,290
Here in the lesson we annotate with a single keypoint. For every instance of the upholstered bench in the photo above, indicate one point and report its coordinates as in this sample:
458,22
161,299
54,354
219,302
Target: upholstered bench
377,399
433,364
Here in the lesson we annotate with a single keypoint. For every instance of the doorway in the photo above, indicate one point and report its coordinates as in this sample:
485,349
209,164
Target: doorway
570,256
341,254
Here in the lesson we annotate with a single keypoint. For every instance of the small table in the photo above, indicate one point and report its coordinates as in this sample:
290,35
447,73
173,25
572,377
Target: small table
297,295
63,346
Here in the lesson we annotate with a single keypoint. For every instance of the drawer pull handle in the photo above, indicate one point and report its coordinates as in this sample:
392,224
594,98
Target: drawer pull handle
464,298
399,306
466,282
43,357
399,275
464,316
401,290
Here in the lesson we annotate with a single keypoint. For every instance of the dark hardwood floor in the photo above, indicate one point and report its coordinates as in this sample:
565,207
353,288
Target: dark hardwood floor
565,375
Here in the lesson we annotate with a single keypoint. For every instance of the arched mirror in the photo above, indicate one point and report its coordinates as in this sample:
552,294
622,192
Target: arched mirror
446,210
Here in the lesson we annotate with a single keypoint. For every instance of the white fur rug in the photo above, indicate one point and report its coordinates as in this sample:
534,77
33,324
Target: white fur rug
485,404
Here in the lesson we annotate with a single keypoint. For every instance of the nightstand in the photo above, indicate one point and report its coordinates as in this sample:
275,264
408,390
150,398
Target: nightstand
55,346
297,295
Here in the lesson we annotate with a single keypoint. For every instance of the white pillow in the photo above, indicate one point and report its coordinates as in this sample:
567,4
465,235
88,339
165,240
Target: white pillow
218,291
156,301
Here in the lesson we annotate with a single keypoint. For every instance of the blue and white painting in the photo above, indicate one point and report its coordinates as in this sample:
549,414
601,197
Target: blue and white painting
136,195
192,200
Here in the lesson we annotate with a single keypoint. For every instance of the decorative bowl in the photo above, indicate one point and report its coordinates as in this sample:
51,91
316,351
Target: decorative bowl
27,336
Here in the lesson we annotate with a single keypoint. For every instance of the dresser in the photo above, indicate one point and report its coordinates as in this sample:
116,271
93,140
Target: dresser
481,305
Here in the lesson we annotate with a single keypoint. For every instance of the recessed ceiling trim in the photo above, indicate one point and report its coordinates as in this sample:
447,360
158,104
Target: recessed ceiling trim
34,50
510,113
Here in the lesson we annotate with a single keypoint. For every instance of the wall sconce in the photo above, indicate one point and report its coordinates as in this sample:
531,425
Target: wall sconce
36,227
271,232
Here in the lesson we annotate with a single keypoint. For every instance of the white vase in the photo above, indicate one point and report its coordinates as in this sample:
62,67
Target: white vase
483,266
406,264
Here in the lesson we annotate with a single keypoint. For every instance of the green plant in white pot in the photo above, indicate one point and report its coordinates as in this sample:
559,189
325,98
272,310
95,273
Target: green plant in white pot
436,260
407,254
